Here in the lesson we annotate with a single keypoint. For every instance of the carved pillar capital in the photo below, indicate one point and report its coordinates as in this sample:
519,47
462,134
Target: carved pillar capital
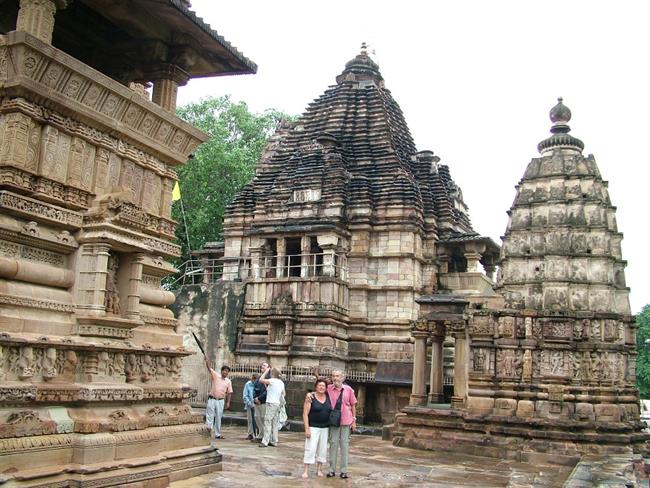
36,17
166,80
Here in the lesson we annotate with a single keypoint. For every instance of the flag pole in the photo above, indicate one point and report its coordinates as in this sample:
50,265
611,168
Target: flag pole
176,195
187,236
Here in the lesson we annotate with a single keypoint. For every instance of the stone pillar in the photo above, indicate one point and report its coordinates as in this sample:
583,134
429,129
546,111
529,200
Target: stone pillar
92,266
135,278
328,244
437,369
489,271
461,358
36,17
473,259
361,403
328,260
166,80
305,258
418,391
256,258
281,257
443,256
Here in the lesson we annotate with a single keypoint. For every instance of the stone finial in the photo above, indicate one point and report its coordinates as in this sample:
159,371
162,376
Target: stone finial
364,49
560,115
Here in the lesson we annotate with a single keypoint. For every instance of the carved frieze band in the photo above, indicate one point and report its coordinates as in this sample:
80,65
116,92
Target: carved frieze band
58,241
95,137
28,302
28,207
43,362
102,98
104,231
589,367
29,253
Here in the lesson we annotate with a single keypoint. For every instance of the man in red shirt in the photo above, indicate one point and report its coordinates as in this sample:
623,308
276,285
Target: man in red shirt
218,399
340,435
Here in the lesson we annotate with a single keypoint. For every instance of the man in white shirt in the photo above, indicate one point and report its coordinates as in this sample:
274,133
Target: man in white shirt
274,396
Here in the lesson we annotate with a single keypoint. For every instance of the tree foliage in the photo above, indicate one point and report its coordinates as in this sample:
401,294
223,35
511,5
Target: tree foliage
220,167
643,349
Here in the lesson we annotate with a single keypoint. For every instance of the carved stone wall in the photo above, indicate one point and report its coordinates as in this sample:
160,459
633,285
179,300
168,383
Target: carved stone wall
87,343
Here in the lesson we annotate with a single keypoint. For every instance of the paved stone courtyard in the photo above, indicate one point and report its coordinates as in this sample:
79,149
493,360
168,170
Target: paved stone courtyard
373,462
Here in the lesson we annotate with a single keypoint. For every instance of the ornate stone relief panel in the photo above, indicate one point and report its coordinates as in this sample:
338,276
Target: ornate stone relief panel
103,98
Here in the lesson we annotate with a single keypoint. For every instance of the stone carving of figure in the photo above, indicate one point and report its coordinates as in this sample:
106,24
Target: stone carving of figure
26,363
70,364
527,367
116,366
507,363
595,330
597,367
112,297
131,368
102,363
479,360
175,365
557,363
528,327
48,364
162,366
148,368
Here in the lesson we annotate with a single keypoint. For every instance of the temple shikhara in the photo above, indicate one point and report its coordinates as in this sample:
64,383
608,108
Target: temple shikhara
343,228
357,252
350,249
90,357
552,369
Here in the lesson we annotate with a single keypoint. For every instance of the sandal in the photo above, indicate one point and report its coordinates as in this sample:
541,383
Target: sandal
331,474
344,475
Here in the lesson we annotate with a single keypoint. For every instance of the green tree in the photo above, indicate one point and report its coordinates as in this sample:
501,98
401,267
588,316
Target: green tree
220,167
643,349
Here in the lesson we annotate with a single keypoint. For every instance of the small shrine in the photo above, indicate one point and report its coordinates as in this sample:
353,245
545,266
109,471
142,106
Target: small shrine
547,371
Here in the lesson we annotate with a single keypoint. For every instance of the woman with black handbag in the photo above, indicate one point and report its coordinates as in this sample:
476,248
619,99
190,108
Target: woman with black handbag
316,417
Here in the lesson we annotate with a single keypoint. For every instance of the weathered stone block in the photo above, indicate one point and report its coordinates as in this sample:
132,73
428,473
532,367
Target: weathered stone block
480,405
525,408
585,411
607,412
505,406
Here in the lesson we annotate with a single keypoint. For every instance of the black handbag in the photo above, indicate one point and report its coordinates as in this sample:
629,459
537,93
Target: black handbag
335,413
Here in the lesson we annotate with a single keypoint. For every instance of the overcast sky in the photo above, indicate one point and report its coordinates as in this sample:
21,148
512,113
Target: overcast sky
475,80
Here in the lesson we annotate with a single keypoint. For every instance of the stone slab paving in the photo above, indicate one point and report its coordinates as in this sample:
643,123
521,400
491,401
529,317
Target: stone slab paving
373,462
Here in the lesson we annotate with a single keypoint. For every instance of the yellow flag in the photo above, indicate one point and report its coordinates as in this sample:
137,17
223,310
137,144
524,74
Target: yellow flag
176,192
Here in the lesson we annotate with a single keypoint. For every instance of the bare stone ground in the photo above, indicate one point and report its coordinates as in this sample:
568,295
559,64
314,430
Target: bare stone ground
373,462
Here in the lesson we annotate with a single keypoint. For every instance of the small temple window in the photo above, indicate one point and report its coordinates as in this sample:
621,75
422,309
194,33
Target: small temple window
294,256
316,258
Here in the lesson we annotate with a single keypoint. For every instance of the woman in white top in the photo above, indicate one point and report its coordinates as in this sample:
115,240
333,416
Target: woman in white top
274,395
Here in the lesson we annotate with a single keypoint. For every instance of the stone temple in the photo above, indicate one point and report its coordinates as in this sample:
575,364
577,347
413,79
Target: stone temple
90,357
354,250
552,368
343,228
